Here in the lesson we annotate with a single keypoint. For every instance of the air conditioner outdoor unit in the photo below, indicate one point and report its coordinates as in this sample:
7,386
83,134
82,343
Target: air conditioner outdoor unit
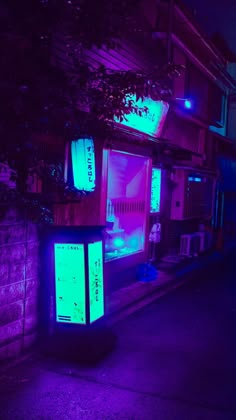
189,244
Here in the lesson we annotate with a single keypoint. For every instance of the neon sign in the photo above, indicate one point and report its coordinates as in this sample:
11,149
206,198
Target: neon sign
83,164
155,190
96,293
147,116
194,179
70,283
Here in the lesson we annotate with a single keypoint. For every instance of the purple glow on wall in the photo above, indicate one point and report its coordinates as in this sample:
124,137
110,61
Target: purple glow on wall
147,117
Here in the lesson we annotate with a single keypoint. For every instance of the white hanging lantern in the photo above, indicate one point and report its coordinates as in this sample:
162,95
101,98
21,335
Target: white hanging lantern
83,164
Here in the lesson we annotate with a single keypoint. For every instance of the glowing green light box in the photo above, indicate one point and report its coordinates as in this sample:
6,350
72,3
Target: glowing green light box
79,291
83,164
147,116
70,283
155,190
96,292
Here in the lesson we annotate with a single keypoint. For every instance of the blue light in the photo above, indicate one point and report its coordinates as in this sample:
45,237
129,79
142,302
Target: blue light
188,104
118,242
194,179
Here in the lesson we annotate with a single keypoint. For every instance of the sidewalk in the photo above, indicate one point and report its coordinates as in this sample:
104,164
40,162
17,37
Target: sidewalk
135,296
129,299
173,360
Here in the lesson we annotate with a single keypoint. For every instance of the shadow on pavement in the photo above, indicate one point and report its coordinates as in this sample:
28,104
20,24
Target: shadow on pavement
88,347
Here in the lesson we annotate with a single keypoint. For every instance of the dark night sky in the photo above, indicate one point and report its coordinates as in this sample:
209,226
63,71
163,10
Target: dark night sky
215,16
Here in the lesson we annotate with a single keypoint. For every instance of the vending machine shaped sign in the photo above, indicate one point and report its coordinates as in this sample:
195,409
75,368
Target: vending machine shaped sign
70,283
74,275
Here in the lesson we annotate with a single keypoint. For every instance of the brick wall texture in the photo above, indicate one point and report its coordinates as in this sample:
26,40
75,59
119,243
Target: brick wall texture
19,284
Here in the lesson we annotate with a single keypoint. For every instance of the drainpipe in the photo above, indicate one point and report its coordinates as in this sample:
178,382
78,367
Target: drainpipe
170,29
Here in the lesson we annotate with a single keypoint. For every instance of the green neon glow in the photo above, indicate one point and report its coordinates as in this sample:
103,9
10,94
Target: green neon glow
155,190
70,283
96,288
83,164
148,116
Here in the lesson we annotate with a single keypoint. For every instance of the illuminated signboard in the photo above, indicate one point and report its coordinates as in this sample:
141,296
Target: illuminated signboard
70,283
148,116
96,293
83,164
155,190
194,179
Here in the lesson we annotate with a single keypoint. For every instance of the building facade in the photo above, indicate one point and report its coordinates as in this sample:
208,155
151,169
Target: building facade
202,129
157,172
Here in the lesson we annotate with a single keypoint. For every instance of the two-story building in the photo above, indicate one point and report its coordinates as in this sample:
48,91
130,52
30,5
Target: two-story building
155,174
157,167
201,128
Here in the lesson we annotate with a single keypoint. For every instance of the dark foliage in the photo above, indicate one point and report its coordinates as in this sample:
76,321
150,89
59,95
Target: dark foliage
38,96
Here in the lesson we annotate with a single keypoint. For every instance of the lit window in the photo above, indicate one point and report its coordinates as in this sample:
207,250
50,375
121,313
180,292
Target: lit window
126,204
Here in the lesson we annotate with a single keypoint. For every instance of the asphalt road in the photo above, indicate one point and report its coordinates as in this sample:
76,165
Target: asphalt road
174,360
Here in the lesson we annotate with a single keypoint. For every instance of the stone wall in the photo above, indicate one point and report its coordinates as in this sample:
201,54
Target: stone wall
19,283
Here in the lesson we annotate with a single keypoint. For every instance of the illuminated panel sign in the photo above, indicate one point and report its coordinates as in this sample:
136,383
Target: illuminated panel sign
194,179
148,116
70,283
96,290
83,164
155,190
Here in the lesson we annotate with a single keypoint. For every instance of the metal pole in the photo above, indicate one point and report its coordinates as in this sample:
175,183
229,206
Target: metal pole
169,31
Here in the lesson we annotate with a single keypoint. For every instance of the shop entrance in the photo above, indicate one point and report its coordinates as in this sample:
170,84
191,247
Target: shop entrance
126,206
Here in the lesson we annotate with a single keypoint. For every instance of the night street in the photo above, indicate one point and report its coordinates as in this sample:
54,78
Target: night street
174,359
118,210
